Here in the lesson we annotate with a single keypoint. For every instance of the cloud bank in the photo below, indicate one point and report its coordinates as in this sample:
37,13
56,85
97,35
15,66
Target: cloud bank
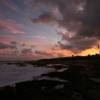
80,20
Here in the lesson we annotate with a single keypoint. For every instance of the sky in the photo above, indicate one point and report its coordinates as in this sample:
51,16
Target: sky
38,29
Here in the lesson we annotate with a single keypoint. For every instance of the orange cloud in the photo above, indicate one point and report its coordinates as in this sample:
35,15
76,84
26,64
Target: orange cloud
58,52
91,51
53,53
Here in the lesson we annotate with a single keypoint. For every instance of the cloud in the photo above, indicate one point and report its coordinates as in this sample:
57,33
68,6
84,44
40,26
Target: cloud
53,52
14,44
48,17
26,51
80,18
44,18
91,19
7,39
14,50
5,46
78,44
43,53
11,26
65,9
10,4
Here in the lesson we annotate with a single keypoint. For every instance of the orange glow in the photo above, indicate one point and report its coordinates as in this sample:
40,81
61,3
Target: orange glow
66,53
91,51
59,52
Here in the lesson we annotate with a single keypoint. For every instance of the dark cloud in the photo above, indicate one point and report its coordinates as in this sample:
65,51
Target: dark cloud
23,44
5,46
91,19
14,44
42,53
81,17
44,18
77,44
68,9
26,51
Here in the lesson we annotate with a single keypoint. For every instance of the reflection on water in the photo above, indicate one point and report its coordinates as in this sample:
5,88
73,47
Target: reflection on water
12,73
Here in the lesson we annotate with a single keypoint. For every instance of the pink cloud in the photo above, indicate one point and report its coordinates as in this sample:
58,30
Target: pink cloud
11,26
39,42
7,39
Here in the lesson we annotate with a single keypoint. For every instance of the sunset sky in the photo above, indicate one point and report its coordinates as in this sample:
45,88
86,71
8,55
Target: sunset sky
36,29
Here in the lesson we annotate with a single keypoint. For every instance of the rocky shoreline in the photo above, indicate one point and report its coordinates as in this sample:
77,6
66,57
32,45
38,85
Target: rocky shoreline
73,83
